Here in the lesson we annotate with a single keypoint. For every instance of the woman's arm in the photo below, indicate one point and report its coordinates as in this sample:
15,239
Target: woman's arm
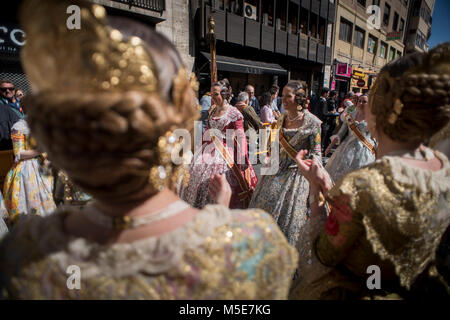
342,227
20,153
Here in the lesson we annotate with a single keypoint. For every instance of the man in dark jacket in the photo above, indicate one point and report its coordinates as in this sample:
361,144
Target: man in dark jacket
327,116
7,119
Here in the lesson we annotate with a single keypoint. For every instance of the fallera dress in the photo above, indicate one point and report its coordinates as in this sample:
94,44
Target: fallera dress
3,215
284,194
208,161
220,254
28,187
389,215
351,154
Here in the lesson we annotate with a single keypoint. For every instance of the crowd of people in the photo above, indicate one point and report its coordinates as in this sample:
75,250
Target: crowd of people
212,228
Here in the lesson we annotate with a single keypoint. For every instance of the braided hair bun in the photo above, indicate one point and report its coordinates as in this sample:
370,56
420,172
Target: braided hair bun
107,141
411,97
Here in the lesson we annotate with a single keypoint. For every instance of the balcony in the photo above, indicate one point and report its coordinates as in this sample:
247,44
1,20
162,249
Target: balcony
284,31
154,5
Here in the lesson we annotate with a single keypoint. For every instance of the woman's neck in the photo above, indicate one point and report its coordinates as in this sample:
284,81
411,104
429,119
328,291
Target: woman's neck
222,106
387,145
292,113
360,116
159,201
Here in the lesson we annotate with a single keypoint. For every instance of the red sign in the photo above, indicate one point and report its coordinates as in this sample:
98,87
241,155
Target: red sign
361,83
395,35
343,70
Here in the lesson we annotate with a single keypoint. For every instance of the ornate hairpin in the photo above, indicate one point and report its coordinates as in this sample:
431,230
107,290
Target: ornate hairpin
398,106
161,174
181,84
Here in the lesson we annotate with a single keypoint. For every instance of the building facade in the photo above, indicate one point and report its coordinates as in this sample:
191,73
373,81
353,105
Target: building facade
419,25
262,42
369,34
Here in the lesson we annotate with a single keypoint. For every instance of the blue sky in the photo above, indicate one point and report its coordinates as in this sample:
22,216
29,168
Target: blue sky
440,30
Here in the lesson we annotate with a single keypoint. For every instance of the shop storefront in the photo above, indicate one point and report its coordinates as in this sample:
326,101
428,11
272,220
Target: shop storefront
341,79
12,39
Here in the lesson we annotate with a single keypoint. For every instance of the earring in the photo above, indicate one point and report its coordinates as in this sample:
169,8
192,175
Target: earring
160,174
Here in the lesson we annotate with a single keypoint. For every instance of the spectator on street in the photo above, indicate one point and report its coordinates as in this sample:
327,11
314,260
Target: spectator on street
8,97
253,101
267,115
205,103
251,119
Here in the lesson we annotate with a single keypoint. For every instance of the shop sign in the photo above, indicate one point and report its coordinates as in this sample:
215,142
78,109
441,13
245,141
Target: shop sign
343,70
360,83
395,35
12,39
358,74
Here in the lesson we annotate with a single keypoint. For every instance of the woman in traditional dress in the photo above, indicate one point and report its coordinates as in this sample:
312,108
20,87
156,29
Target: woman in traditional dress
356,146
284,194
220,154
28,186
387,219
3,216
137,239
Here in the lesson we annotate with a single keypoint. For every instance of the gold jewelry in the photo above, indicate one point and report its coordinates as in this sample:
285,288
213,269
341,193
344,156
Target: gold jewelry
291,120
160,174
166,172
181,84
90,59
126,222
398,106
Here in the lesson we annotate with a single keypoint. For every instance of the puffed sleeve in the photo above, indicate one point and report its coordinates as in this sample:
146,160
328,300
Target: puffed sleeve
342,228
315,143
18,139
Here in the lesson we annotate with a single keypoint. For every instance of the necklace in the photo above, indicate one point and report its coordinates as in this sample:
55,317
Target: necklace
126,222
298,116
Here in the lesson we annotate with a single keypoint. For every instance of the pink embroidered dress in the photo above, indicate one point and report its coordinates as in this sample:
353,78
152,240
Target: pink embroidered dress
209,160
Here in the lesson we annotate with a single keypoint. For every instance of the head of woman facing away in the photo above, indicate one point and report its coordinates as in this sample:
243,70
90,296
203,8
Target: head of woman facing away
410,100
106,98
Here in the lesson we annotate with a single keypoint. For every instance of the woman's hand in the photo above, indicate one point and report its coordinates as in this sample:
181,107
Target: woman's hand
332,144
313,171
220,190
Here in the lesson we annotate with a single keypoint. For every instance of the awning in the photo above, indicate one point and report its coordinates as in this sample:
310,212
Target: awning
245,66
